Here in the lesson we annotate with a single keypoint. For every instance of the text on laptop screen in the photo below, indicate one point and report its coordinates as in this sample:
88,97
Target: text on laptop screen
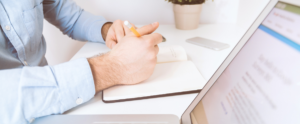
262,83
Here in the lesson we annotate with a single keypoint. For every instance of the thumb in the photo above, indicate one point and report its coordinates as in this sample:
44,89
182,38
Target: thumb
148,29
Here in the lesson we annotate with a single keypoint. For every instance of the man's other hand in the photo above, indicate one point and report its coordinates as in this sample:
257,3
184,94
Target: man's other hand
115,33
131,61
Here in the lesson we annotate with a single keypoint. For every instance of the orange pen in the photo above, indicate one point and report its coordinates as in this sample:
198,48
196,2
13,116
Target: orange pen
131,28
127,24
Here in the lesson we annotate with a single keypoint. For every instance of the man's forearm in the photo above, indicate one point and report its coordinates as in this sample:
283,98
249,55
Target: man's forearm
104,72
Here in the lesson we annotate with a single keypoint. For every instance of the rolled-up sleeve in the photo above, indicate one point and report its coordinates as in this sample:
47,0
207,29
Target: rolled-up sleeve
32,92
74,21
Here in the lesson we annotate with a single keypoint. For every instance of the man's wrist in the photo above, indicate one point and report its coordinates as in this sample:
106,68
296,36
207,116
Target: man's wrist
105,29
104,72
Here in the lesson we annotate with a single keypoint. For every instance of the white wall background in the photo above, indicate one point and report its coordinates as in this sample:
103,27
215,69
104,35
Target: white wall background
147,11
61,48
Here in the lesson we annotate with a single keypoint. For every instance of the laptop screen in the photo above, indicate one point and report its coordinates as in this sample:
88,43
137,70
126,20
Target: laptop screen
262,83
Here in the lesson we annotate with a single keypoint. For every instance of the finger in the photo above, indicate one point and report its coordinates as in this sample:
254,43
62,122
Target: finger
134,26
126,29
119,30
113,45
110,43
148,29
154,38
107,43
110,38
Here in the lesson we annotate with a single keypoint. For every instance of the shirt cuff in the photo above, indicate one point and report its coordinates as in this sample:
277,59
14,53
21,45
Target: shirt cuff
76,83
88,27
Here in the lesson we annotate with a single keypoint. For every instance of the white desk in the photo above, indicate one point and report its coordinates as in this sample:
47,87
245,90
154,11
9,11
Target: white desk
206,60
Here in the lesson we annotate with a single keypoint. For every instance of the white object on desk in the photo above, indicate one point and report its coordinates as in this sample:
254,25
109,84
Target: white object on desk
214,45
171,54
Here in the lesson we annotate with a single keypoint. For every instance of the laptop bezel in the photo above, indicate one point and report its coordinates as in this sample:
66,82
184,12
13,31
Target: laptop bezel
185,118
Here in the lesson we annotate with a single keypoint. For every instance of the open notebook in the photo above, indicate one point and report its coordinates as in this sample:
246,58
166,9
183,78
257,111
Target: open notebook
173,75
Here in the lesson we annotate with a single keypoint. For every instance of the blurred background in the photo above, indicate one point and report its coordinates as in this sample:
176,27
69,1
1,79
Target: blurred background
61,48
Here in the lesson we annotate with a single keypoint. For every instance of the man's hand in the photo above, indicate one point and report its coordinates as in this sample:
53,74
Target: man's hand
130,61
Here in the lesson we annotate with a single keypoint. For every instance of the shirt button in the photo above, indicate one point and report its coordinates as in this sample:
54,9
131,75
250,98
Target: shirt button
25,63
79,101
31,120
7,27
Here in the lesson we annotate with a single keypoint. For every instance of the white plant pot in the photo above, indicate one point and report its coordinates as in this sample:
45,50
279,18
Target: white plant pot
187,16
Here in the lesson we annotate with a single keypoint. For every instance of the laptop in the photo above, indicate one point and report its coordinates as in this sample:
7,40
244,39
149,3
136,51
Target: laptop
258,83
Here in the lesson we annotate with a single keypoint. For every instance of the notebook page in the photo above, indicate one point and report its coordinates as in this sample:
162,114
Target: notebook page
171,54
165,54
166,78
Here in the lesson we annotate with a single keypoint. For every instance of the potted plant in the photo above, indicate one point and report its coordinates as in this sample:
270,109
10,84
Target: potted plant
187,13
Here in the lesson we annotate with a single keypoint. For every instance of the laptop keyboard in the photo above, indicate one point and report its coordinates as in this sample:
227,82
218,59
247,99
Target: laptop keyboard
130,123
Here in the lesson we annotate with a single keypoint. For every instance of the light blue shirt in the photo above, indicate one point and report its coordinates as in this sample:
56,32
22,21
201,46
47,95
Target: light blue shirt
28,87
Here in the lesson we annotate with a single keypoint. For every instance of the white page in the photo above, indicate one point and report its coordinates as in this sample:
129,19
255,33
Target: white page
165,54
171,54
166,78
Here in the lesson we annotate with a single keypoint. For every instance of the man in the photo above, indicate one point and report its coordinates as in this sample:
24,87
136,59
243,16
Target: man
30,89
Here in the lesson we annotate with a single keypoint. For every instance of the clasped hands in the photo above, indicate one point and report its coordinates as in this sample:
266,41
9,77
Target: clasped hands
131,59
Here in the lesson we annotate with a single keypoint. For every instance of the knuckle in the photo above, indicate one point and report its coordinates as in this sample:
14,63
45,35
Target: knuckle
152,56
154,62
120,32
158,34
151,41
146,46
118,21
148,42
152,65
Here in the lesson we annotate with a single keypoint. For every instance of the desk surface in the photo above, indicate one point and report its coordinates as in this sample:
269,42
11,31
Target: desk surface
206,60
